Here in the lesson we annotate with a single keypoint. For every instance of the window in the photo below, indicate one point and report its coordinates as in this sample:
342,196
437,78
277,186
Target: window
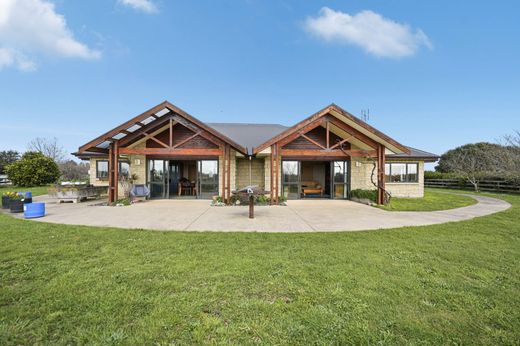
401,172
124,169
102,169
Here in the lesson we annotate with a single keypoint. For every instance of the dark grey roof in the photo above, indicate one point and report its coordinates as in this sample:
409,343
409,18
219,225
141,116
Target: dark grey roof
249,135
416,153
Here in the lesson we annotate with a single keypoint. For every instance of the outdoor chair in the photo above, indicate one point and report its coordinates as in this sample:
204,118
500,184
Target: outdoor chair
139,191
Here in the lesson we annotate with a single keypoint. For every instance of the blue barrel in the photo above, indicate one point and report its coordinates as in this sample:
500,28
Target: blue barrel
34,210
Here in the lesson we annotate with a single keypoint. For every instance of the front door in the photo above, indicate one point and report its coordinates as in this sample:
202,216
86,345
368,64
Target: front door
157,178
340,179
175,169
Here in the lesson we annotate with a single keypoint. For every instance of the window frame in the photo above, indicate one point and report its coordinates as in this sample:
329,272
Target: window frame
388,176
98,170
119,170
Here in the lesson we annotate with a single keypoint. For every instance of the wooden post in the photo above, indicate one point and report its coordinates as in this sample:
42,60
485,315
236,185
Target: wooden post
116,171
380,174
223,172
251,206
271,187
277,170
229,174
110,175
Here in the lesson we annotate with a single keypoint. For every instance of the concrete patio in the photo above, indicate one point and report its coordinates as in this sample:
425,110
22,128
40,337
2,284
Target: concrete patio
297,216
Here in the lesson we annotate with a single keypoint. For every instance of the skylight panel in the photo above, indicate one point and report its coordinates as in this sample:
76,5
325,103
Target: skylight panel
133,128
119,135
162,112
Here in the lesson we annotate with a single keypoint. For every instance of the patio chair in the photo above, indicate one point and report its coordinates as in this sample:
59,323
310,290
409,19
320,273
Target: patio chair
139,191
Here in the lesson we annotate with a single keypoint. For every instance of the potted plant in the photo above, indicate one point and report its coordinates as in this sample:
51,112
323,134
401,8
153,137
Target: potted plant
6,199
16,204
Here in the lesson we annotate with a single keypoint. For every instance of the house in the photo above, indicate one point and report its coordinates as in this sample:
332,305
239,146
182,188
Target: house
325,155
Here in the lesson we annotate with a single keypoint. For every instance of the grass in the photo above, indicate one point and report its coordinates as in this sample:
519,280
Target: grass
433,200
456,283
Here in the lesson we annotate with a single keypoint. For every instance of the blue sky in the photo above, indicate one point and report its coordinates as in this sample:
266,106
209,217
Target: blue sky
434,75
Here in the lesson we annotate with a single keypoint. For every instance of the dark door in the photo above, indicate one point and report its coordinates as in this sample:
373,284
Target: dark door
173,179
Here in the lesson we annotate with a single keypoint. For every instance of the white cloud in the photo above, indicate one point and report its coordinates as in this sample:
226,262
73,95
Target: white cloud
32,27
369,30
141,5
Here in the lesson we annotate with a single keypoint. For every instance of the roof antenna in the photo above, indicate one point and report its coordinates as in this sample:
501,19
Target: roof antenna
365,114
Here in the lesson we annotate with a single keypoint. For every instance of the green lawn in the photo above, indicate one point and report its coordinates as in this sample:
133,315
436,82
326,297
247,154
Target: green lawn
433,200
456,283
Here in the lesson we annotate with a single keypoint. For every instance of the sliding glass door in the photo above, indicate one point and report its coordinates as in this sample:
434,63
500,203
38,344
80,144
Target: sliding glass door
208,178
291,179
157,178
340,179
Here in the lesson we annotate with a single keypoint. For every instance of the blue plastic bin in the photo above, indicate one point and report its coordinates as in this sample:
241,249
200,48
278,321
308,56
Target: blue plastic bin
33,210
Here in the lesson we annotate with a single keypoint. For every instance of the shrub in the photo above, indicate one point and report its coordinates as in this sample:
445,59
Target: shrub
364,194
262,200
33,169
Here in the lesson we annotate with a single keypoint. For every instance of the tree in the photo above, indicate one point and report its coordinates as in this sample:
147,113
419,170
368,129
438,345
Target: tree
514,139
71,170
512,160
6,158
33,169
473,162
48,147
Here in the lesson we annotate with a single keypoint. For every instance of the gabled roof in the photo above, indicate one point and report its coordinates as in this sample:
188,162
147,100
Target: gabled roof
249,135
101,143
249,139
348,118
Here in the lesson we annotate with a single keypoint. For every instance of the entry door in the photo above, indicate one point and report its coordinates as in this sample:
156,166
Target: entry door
173,179
208,178
291,179
158,178
340,179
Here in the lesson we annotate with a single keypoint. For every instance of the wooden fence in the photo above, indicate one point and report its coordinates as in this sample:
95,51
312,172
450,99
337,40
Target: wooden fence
485,185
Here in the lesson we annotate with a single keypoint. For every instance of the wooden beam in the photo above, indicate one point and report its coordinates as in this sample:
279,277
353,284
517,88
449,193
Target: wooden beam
313,141
187,139
354,133
291,137
328,134
170,151
296,128
340,143
328,153
171,132
195,128
150,128
148,136
123,126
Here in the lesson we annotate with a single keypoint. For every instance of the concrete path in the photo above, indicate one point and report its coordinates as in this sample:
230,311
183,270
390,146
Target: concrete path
297,216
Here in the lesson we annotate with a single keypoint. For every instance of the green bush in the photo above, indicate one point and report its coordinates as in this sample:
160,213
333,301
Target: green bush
262,200
33,169
364,194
